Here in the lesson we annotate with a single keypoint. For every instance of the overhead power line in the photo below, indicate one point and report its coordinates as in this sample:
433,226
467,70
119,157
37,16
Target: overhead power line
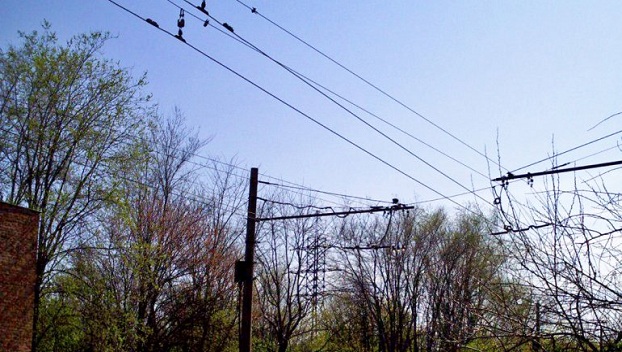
297,74
393,125
586,157
371,199
511,176
509,229
366,123
567,151
283,184
339,213
302,188
361,78
282,101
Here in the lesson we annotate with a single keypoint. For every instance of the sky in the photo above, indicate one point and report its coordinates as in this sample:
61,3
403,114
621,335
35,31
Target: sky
514,81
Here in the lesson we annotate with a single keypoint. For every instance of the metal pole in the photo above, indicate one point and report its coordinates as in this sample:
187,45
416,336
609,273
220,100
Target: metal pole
249,257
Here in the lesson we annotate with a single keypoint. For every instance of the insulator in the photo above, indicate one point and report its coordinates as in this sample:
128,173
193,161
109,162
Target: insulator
181,22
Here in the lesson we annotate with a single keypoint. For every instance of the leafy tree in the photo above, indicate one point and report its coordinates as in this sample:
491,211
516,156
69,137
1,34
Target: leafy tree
64,328
347,324
69,121
162,270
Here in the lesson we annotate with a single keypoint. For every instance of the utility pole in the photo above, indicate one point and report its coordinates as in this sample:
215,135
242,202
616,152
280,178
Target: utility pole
537,347
247,267
244,269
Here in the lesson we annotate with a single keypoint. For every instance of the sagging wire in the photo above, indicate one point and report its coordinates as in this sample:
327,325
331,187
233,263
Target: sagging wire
498,202
297,110
366,123
302,188
509,229
355,247
299,207
383,92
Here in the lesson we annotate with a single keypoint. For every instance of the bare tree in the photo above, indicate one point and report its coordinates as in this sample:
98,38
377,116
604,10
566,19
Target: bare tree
421,279
209,287
571,260
384,271
283,278
460,274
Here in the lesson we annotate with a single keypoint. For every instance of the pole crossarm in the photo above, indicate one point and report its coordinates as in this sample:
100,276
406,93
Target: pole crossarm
529,175
340,213
244,269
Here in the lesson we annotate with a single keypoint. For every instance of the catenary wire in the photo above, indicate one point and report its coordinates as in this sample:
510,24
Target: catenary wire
365,122
586,157
251,46
246,43
382,201
567,151
303,77
245,177
399,129
383,92
298,207
287,184
302,188
282,184
294,185
317,122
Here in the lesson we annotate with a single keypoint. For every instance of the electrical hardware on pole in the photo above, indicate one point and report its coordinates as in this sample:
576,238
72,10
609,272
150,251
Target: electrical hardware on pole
529,175
244,269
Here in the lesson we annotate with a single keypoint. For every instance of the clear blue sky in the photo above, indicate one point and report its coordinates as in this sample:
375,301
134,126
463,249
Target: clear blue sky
500,75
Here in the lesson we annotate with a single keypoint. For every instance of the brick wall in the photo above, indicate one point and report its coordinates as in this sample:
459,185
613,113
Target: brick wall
18,245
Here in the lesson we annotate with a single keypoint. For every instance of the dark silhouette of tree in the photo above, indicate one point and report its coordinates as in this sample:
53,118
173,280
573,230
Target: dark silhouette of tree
283,281
571,262
420,278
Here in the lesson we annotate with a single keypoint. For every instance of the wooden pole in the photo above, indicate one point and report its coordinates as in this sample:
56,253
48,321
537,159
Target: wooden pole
249,257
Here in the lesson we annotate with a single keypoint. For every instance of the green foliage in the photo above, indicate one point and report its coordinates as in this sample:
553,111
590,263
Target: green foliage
70,122
128,262
64,325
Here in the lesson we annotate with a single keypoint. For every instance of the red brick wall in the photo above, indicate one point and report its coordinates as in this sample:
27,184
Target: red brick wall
18,245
